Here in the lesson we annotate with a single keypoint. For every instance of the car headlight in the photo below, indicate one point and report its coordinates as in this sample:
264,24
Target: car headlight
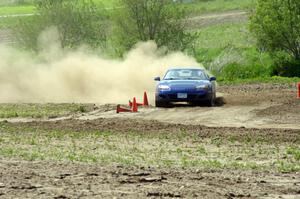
164,88
204,86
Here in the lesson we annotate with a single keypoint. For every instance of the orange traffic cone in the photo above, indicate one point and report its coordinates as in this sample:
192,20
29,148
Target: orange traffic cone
145,103
120,109
134,106
131,104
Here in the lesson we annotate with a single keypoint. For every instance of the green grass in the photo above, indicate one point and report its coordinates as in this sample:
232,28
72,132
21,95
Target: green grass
175,150
41,110
195,8
29,7
16,2
295,152
200,7
223,35
8,10
108,3
229,52
9,22
219,40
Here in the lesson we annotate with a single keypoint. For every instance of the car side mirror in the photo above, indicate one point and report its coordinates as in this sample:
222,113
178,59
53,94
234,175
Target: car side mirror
157,79
212,79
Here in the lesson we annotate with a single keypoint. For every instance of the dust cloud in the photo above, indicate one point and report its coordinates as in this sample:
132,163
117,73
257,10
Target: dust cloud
58,76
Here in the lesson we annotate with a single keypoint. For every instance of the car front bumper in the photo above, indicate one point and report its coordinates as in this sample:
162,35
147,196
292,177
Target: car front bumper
196,96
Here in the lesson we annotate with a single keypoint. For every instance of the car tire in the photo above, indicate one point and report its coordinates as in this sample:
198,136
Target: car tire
211,101
160,104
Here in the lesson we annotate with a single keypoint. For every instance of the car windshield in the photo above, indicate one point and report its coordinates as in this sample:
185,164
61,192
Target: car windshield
185,74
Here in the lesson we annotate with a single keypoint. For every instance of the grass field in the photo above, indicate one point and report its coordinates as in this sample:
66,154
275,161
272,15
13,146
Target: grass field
195,8
163,150
9,22
229,51
215,40
42,110
30,8
218,6
222,35
20,9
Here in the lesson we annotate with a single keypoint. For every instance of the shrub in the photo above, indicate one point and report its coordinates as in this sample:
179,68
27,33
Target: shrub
285,65
276,25
158,20
78,22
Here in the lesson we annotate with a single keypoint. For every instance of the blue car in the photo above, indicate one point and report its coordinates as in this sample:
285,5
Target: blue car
192,85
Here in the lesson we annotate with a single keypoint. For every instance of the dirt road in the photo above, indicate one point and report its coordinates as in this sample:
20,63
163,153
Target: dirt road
237,16
246,106
250,106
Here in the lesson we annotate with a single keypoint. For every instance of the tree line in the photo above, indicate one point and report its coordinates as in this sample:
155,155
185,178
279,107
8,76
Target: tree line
274,23
84,22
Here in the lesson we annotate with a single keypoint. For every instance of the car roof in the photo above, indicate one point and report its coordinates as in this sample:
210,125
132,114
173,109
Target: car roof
187,68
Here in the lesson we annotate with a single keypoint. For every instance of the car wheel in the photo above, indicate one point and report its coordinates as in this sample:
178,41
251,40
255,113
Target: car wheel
161,104
211,101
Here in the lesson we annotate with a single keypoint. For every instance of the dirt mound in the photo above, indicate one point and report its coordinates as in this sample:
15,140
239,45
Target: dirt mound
255,94
154,127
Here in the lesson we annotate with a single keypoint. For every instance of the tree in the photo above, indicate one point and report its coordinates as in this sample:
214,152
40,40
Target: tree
276,25
78,22
158,20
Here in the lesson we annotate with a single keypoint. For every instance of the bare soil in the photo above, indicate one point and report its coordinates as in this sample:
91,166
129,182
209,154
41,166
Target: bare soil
237,16
69,180
263,111
247,106
255,106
